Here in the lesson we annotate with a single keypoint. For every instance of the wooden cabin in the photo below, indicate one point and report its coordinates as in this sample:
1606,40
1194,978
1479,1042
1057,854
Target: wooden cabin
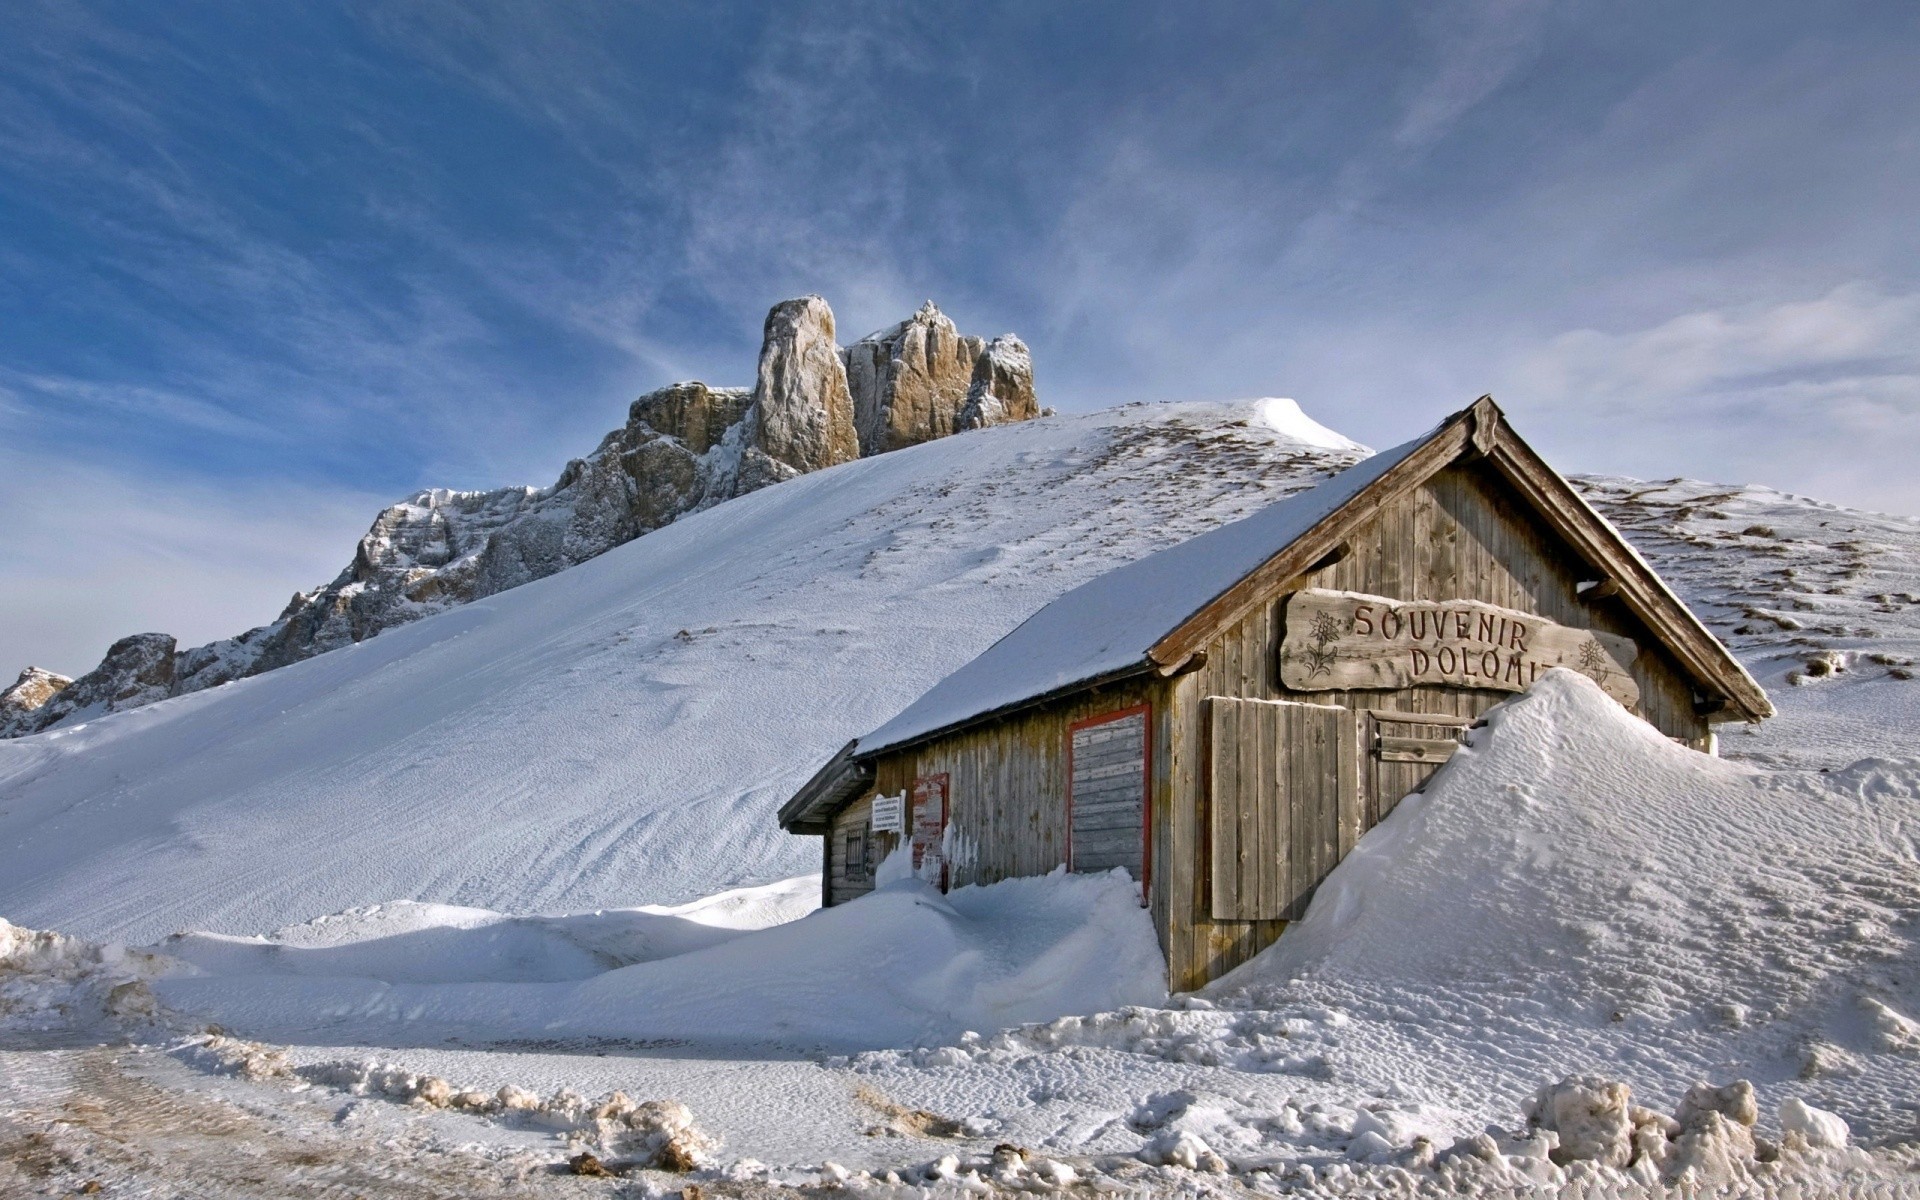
1225,718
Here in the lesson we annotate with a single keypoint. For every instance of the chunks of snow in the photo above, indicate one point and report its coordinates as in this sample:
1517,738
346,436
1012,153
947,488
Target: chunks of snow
1591,1117
1182,1148
1816,1128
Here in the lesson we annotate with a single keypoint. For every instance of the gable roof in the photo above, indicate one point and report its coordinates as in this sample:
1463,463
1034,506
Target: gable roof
1156,613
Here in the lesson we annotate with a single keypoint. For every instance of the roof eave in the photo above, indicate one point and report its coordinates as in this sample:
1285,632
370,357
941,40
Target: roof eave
1145,666
811,809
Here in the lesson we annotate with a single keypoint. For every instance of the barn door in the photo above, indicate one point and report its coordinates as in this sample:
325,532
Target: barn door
1283,803
1108,777
1403,750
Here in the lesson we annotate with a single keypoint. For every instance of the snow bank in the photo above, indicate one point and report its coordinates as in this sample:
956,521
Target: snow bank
1285,417
52,982
1574,892
408,942
902,966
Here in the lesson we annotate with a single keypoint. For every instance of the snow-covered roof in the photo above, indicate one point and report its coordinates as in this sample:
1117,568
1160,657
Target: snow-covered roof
1106,626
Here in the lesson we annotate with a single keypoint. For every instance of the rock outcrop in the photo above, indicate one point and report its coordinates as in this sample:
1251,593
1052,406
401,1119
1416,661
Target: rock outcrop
20,703
802,415
683,448
924,379
1002,386
137,670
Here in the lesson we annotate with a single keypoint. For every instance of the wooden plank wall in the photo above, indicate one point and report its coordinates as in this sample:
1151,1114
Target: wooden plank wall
1461,536
1007,804
842,887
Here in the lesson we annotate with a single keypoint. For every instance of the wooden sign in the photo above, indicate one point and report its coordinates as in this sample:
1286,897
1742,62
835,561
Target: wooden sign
1348,640
890,813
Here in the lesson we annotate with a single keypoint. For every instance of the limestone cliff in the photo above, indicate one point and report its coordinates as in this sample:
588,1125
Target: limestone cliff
917,381
683,448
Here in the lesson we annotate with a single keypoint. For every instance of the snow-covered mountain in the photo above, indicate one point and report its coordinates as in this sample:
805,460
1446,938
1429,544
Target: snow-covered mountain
683,448
1573,894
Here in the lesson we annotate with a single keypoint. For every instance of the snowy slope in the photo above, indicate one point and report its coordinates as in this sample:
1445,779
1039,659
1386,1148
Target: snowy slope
620,733
1821,603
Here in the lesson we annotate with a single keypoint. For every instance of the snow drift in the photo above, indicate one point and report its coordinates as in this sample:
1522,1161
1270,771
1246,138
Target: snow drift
899,967
1575,893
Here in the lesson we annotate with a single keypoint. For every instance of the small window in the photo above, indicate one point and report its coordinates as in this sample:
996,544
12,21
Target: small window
856,856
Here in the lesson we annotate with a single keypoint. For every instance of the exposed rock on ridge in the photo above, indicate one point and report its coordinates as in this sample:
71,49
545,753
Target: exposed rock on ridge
921,378
684,447
137,670
34,688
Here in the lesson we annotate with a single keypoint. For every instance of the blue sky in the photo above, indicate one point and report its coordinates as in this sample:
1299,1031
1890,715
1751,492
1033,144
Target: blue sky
264,267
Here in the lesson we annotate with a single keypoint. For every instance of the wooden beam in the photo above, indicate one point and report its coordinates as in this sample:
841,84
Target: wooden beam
1331,558
1187,666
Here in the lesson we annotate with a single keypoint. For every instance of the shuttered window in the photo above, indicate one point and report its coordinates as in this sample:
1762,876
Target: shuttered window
1107,781
1284,804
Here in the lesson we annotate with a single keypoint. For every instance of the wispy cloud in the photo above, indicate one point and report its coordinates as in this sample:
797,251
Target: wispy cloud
94,553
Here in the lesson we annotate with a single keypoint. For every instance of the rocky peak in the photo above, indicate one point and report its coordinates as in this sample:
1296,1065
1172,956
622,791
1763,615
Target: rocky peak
137,670
697,415
914,381
1002,386
20,704
801,415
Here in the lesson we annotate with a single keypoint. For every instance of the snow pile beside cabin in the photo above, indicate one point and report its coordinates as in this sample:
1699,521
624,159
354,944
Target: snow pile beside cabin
1576,893
1573,895
901,967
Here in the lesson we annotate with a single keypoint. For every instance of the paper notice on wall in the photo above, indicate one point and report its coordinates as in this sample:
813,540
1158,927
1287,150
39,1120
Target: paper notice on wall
890,813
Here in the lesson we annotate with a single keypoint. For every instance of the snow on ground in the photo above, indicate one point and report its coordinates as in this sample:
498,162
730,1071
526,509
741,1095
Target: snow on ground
1821,603
623,732
406,942
906,966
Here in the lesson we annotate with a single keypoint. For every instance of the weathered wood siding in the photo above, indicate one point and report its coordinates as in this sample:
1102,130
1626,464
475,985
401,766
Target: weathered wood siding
843,884
1460,536
1283,780
1108,788
1007,781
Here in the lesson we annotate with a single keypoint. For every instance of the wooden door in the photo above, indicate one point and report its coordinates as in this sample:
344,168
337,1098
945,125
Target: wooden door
1402,751
1283,801
1108,781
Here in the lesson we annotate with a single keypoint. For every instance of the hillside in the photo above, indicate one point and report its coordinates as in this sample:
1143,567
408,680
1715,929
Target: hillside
622,732
1574,895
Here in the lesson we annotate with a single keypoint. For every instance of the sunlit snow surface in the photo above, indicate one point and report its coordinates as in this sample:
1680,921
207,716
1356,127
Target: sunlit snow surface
1572,893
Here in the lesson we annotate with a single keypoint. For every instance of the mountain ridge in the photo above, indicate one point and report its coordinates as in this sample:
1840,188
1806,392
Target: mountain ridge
684,447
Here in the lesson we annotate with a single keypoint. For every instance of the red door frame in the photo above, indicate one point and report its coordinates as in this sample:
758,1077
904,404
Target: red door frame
1146,783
